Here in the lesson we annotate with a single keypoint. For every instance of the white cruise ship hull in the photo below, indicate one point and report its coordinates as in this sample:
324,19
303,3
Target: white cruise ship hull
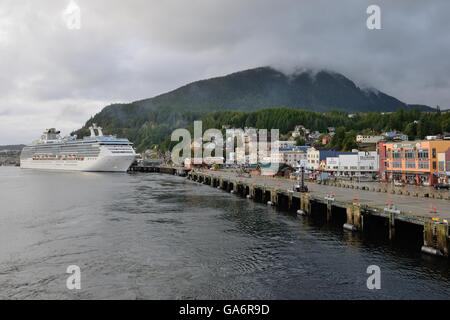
95,153
111,163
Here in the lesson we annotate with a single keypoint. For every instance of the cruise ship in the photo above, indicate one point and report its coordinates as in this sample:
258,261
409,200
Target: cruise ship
98,153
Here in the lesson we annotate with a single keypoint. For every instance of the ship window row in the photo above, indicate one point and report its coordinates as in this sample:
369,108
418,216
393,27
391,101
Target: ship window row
64,149
65,145
54,155
119,148
30,154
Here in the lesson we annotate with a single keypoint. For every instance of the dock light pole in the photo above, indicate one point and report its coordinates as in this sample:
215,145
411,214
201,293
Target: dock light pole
301,187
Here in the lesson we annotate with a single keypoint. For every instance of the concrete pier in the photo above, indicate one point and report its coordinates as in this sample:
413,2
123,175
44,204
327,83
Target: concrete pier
354,217
358,202
305,204
179,171
436,238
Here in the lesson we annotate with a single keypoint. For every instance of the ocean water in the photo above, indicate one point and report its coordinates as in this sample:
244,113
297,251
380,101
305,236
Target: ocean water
152,236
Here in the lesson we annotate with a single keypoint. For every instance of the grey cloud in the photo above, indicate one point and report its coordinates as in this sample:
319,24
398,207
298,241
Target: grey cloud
130,50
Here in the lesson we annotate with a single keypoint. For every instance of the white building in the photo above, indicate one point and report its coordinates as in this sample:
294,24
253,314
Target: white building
332,164
295,156
354,164
242,146
367,139
348,165
283,144
313,158
368,162
300,131
395,136
275,157
316,156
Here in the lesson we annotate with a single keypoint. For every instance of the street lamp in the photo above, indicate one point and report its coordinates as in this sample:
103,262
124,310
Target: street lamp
301,187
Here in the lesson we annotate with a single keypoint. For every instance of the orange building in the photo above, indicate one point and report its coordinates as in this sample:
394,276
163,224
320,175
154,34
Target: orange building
414,162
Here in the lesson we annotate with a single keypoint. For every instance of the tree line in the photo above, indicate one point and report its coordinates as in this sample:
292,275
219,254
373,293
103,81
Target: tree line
150,129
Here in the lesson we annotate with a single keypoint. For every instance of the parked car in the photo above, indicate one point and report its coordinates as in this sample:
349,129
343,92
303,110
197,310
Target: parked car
439,186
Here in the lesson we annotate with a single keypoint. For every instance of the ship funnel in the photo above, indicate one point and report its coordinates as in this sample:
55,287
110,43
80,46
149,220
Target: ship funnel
92,131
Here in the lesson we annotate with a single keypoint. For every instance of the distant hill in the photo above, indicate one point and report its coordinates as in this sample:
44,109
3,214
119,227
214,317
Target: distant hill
146,121
15,147
265,87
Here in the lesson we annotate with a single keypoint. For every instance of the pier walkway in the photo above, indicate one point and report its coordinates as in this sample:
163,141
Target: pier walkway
423,204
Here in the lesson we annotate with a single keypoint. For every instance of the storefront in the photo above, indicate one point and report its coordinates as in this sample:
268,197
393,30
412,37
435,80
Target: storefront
411,178
443,177
397,176
423,179
415,162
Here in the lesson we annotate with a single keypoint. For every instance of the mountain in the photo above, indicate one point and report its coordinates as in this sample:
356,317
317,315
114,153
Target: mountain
265,87
15,147
10,154
248,90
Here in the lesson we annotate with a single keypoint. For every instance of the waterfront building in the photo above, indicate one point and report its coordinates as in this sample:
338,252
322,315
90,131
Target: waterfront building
275,157
240,144
443,173
414,162
294,156
316,156
332,164
357,164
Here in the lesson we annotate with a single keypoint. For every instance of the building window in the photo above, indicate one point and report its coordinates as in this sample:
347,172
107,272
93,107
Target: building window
396,164
424,165
434,165
441,166
433,152
423,154
410,164
409,154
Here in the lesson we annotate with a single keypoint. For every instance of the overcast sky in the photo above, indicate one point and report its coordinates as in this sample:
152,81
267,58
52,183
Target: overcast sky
52,76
